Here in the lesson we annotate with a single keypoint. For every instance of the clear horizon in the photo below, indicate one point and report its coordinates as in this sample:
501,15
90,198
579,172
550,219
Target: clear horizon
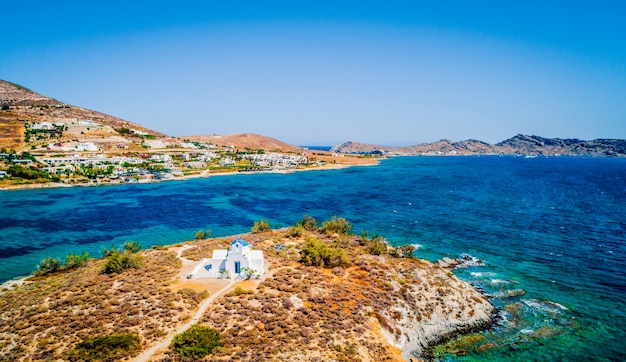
324,73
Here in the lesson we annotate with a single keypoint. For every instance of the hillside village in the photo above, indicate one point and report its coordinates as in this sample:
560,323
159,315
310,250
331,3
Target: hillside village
46,142
58,153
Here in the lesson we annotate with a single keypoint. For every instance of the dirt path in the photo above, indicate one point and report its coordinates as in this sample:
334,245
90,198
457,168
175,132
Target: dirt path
145,356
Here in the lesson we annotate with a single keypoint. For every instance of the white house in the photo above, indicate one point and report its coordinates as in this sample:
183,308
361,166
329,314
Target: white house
86,146
232,262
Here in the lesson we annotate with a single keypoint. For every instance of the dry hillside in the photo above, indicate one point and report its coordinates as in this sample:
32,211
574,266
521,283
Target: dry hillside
372,308
247,140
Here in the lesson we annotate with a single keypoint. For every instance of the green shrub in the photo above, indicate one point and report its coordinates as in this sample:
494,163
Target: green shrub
336,226
196,342
406,251
76,261
308,223
201,234
101,348
132,246
377,245
118,261
238,291
47,266
317,253
294,231
261,226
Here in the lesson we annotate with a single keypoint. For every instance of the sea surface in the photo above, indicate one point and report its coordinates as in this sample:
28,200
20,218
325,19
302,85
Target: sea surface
551,233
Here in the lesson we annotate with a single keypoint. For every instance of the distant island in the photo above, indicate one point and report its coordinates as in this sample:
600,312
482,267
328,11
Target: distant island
518,145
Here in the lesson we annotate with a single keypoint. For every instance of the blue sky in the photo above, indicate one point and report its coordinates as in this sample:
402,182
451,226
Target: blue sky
322,73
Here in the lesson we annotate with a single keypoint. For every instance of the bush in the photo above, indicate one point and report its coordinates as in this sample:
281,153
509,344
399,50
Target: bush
52,265
132,246
196,342
316,253
48,265
261,226
201,234
308,223
406,251
336,226
118,261
377,245
115,346
294,232
73,261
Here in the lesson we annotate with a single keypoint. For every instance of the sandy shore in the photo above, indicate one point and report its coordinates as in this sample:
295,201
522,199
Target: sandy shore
202,174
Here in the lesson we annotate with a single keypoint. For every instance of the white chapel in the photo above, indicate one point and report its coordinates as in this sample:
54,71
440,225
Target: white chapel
231,263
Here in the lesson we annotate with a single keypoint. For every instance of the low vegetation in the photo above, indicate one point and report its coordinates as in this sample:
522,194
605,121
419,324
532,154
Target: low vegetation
103,348
196,342
51,265
326,296
317,253
336,225
261,226
119,260
202,234
50,315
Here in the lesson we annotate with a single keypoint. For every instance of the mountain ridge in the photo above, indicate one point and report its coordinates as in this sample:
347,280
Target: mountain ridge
517,145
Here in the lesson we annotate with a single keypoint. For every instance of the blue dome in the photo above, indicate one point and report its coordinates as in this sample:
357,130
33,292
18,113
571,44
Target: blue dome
240,241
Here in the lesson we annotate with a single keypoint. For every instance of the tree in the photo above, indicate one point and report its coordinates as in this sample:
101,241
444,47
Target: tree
132,246
308,223
202,234
317,253
118,262
76,261
248,273
377,245
196,342
261,226
336,225
48,265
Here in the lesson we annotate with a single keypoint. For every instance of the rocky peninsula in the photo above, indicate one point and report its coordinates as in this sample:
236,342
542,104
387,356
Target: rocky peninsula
327,294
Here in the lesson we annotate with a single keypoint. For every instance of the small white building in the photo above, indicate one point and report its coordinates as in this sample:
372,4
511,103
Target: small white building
86,146
235,262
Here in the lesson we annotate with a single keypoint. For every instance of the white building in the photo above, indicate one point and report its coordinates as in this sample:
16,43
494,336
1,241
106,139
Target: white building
86,146
235,262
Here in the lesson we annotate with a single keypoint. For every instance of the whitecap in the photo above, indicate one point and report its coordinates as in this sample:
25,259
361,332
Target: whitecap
476,274
527,331
417,246
499,281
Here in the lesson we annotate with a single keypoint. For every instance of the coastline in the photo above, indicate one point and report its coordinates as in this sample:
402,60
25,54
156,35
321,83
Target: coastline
202,174
410,318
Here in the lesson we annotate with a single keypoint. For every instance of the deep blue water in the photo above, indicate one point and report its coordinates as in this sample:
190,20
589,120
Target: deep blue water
552,227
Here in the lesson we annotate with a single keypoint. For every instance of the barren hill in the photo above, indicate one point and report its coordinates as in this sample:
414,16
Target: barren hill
21,105
518,145
247,140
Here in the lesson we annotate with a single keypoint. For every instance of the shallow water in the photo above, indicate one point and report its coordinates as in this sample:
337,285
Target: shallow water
552,227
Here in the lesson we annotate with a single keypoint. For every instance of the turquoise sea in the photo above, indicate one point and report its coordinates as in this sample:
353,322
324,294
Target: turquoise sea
554,228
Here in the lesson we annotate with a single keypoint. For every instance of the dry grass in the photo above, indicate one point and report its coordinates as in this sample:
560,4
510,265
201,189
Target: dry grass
294,313
48,316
